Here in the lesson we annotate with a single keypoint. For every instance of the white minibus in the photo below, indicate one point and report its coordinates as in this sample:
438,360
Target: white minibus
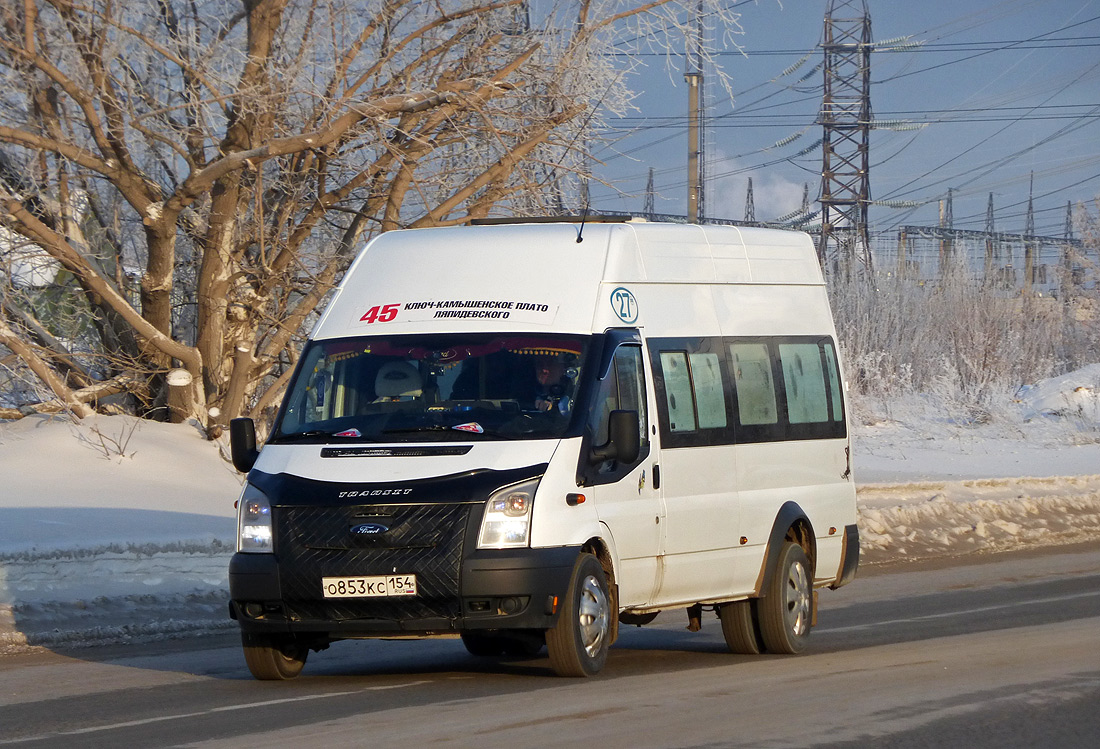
524,434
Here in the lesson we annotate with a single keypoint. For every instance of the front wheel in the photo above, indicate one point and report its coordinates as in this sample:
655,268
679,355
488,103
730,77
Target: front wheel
271,658
578,643
787,605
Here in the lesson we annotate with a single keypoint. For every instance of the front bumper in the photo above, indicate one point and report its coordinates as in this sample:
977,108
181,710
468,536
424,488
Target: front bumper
498,589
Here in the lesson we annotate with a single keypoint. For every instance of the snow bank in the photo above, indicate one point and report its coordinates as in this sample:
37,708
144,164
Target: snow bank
1074,395
112,530
913,521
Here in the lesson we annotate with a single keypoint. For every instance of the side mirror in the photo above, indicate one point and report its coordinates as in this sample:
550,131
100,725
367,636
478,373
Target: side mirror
623,441
242,444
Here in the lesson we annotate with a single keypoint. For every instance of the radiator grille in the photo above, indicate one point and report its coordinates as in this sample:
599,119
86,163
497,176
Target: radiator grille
423,539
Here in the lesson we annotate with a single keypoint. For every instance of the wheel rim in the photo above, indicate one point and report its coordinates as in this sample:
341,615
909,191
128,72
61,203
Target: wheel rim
593,616
797,602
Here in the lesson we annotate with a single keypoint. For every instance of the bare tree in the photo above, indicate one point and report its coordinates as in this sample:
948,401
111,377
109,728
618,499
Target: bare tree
200,172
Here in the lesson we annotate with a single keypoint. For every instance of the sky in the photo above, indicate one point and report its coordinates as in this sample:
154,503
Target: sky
1008,90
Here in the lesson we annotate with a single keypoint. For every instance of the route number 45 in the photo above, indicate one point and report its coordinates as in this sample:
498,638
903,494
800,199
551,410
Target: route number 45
385,313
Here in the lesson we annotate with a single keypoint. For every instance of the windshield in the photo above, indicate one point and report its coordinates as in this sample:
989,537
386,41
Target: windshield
437,387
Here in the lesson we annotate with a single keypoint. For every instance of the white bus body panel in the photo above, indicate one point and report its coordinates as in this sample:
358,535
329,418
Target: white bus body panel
680,543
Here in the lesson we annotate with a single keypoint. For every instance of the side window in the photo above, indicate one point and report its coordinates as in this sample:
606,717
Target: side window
752,377
623,390
631,376
681,408
692,391
834,382
706,384
804,380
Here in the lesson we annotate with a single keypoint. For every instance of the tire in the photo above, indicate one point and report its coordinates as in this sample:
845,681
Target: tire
785,609
740,628
578,642
272,658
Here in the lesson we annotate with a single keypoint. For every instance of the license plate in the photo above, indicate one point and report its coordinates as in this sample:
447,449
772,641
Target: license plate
375,586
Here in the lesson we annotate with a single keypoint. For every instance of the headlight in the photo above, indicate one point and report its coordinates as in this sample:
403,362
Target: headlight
507,521
254,535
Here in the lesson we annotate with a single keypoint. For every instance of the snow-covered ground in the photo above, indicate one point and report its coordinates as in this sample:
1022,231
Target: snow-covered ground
115,530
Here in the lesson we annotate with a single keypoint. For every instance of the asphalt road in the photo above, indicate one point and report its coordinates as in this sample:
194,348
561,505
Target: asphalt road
994,651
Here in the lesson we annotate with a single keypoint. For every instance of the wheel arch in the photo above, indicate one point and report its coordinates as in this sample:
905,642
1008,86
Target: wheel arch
791,524
599,548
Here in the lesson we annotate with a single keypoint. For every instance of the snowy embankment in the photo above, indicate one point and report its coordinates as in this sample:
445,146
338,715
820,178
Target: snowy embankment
113,530
915,521
110,531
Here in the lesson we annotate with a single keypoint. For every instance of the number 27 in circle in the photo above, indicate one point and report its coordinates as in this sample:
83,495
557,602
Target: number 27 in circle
624,304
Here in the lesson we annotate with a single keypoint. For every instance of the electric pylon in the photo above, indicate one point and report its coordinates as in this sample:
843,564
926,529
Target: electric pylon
989,248
947,221
750,208
649,208
1029,231
846,122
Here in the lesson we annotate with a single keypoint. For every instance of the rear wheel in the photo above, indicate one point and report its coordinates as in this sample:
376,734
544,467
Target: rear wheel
579,641
785,609
740,629
270,657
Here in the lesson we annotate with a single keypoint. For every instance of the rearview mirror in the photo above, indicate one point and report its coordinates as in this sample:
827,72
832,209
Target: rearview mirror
623,440
242,444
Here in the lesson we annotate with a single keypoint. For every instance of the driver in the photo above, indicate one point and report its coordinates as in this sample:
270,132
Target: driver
552,387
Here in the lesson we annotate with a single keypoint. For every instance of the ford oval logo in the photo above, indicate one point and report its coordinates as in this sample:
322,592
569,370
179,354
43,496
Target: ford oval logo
368,529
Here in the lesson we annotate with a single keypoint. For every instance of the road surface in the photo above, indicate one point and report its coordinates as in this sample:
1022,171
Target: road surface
987,652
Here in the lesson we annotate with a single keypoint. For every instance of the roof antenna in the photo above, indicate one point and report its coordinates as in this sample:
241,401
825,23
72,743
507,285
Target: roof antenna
580,229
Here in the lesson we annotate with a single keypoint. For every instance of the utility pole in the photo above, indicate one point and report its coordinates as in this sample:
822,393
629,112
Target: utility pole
696,161
846,122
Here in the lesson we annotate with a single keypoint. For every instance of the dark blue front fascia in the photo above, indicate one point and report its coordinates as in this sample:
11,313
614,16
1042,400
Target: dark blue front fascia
464,587
284,489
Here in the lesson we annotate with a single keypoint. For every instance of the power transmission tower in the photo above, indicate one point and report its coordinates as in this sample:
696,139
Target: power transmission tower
989,254
696,156
1070,281
947,221
1029,222
750,209
1029,231
846,121
805,199
649,208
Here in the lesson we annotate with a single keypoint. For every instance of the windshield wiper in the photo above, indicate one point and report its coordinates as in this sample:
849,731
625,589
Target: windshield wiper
422,428
313,434
451,429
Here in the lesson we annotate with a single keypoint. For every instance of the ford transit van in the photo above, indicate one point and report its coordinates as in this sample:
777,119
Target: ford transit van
525,434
